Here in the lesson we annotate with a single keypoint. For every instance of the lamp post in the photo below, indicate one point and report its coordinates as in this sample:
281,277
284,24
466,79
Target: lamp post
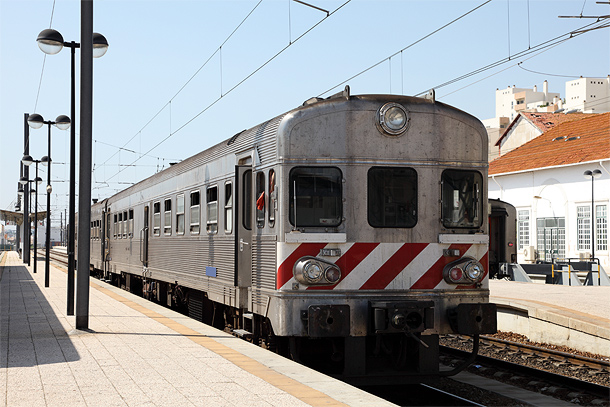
592,174
51,42
62,122
28,160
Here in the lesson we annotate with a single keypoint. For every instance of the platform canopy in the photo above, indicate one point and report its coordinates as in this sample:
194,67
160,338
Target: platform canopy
17,217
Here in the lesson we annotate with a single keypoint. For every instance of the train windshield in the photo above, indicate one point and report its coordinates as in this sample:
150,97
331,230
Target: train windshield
392,197
461,196
317,193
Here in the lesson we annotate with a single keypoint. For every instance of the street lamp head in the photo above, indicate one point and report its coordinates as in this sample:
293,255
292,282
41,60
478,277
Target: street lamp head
45,160
49,189
592,174
38,180
50,41
35,121
27,160
23,181
100,45
62,122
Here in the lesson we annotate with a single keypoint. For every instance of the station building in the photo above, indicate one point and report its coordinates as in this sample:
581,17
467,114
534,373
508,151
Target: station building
544,179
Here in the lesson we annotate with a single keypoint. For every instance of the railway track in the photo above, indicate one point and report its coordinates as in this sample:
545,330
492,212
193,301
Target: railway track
559,374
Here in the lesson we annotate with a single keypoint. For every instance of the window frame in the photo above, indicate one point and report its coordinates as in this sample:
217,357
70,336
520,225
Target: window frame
156,219
211,209
601,228
272,197
260,191
197,207
228,207
478,207
124,224
523,228
180,214
372,191
130,224
291,195
167,215
583,227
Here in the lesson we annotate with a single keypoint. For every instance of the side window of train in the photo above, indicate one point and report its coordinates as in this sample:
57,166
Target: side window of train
195,213
211,199
392,197
260,199
157,219
91,234
180,214
272,198
228,207
130,225
120,232
461,195
317,193
247,200
114,226
125,225
167,217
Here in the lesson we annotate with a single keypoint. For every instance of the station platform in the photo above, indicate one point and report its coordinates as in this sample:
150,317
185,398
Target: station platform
137,353
573,316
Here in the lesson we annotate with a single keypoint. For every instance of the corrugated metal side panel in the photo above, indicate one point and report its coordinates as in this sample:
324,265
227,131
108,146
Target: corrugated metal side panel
263,267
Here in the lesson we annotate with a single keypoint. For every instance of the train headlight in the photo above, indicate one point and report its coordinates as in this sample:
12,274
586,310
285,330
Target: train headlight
474,271
314,271
393,119
464,271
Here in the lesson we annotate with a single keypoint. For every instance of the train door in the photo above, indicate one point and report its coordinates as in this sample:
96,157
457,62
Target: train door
144,239
243,233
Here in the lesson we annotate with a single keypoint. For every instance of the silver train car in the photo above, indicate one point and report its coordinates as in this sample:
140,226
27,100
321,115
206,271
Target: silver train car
348,234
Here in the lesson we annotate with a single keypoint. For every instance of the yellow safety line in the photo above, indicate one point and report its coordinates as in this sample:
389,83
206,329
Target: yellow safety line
301,391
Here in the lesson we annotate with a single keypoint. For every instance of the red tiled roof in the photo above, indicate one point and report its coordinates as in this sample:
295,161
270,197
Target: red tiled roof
544,121
571,142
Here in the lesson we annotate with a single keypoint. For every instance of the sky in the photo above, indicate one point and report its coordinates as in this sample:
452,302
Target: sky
156,100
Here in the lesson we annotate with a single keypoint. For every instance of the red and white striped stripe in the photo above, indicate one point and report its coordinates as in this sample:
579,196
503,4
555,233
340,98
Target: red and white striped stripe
381,266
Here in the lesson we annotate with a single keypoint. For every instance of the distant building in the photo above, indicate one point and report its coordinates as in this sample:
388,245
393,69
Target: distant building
588,95
511,101
543,178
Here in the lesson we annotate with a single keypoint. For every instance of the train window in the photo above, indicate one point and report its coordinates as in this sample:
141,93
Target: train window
317,193
167,218
114,226
247,200
195,213
180,214
260,199
130,225
228,207
156,218
461,198
120,232
91,234
392,197
272,198
125,225
211,199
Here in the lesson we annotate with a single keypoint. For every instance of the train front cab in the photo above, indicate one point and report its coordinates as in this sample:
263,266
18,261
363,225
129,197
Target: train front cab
379,259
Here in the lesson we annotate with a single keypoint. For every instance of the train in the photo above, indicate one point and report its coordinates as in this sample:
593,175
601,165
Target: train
348,234
502,238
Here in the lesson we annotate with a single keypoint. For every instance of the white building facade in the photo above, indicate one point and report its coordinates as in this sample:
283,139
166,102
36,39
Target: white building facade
588,95
554,211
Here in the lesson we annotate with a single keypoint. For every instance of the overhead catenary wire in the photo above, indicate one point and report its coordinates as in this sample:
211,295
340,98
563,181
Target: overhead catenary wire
238,84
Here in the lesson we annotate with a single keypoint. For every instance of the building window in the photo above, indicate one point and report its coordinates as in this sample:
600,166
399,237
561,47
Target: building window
583,217
195,213
601,227
228,207
167,219
157,219
523,228
211,199
180,214
260,199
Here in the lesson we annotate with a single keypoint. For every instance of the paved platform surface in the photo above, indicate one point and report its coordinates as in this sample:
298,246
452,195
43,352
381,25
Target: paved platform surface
137,353
575,316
